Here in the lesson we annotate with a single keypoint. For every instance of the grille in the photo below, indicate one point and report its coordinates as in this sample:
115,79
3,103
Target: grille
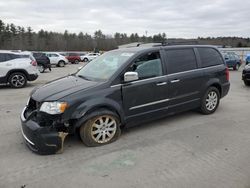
33,105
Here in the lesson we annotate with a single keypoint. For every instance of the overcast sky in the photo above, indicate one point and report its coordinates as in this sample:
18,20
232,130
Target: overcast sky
177,18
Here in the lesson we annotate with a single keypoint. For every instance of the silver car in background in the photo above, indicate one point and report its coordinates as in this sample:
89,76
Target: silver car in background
57,59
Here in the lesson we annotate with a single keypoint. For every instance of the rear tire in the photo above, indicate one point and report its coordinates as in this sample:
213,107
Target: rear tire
41,68
102,129
236,67
76,61
17,80
210,101
85,60
247,83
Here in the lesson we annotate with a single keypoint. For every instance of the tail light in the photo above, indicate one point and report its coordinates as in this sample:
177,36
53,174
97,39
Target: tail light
227,74
33,63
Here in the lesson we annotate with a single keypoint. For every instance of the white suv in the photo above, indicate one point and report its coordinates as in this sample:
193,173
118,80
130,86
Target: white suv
90,57
57,59
17,69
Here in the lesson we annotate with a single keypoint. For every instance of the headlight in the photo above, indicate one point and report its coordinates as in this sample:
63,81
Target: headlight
54,107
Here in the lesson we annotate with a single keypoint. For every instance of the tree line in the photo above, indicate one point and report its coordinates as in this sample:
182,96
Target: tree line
14,37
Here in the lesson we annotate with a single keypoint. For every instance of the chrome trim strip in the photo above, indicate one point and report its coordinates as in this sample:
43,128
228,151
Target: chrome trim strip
22,114
148,104
144,80
116,85
194,70
26,137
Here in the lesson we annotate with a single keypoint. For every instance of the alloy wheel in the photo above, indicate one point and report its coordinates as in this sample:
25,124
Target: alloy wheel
18,80
103,129
211,100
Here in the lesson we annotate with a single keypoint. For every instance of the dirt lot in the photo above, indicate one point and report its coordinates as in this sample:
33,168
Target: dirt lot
185,150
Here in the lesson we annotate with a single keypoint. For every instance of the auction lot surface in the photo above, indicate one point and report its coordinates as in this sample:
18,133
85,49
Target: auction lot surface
185,150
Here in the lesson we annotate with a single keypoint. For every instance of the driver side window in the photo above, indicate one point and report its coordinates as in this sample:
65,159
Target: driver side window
148,66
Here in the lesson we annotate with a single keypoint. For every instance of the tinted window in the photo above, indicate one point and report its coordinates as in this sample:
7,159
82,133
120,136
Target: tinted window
148,66
37,55
52,55
180,60
7,57
210,57
73,54
2,57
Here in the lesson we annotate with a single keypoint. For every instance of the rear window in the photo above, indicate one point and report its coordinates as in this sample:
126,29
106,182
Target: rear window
180,60
210,57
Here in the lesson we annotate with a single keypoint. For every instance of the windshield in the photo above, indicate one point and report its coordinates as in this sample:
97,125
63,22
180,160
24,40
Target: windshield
103,67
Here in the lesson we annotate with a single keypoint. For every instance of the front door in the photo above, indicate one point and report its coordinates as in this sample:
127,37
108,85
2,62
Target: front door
149,93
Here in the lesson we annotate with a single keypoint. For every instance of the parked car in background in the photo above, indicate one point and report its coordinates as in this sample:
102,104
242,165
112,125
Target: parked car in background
73,57
43,62
248,59
82,54
17,69
124,87
232,60
90,56
246,75
57,59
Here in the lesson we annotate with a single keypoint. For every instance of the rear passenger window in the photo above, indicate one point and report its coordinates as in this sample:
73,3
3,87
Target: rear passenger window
210,57
180,60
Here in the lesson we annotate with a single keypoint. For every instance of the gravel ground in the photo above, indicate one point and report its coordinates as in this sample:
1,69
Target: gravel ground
185,150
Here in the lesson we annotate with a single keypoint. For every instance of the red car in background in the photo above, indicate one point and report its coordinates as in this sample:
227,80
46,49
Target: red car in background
73,57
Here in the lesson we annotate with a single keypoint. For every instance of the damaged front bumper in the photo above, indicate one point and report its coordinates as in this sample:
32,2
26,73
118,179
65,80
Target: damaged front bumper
41,140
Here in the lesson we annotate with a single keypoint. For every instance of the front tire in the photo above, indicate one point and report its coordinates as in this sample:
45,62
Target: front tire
101,129
61,64
17,80
85,60
210,101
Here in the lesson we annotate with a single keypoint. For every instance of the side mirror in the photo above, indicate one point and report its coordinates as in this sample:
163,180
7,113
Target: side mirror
130,76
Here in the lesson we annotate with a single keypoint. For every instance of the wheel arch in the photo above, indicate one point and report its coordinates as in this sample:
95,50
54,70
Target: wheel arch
216,84
14,71
85,111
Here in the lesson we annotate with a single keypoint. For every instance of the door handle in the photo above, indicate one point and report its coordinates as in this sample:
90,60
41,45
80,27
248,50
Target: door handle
161,83
175,81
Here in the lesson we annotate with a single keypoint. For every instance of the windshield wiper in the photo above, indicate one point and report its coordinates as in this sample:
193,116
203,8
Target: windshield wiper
83,77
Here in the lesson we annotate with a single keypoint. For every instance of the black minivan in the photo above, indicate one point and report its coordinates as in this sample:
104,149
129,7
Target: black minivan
120,88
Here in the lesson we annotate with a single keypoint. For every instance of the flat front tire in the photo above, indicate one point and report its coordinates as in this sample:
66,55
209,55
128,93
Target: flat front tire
210,101
101,129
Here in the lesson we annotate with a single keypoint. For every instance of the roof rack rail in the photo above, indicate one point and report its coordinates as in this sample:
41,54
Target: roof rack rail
162,43
169,43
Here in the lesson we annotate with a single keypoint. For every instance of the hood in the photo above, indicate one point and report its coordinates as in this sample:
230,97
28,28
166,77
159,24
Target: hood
60,88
